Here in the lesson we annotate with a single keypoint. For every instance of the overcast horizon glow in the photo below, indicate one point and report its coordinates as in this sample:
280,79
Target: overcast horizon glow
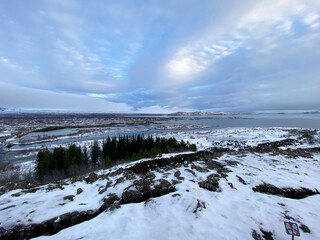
160,56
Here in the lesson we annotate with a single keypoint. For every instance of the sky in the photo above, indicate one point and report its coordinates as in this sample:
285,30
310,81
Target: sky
160,56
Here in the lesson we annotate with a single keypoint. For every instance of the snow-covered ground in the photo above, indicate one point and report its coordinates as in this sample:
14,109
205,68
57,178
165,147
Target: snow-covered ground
235,138
232,211
181,127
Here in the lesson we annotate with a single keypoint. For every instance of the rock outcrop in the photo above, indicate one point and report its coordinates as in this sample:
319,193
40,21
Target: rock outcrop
285,192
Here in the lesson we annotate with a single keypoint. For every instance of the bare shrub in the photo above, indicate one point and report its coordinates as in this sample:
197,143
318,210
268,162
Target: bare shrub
14,173
72,171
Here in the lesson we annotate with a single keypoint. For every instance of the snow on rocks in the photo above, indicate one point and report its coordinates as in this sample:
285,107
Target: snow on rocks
207,194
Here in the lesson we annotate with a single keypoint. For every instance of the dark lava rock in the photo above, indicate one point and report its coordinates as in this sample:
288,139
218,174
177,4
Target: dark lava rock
177,175
119,180
255,235
231,185
295,153
79,191
2,231
132,196
111,202
18,185
241,180
211,183
117,172
109,184
271,146
231,163
112,197
267,235
143,185
175,182
162,187
101,190
190,171
11,206
150,176
284,192
146,190
175,161
176,195
129,175
69,197
73,218
219,167
30,190
199,169
92,178
48,227
16,194
76,179
304,228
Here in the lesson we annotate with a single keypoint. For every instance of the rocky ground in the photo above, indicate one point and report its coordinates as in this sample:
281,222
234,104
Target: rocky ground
231,191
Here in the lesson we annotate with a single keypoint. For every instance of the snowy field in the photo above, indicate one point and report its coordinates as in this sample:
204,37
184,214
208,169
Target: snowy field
229,208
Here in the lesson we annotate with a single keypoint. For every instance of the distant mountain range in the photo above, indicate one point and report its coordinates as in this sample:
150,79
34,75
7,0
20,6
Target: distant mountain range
2,109
197,113
27,110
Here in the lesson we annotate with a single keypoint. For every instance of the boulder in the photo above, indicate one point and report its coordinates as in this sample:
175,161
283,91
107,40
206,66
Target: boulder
92,178
69,197
132,196
79,190
211,183
161,187
177,175
285,192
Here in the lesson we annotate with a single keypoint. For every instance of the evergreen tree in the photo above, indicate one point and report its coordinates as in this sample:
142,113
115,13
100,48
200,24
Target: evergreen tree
193,147
43,163
59,156
113,149
107,162
95,152
85,157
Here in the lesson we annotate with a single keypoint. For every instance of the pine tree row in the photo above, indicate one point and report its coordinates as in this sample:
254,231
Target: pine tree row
113,149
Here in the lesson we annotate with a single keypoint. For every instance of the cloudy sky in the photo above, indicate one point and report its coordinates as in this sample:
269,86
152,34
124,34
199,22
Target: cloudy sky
160,55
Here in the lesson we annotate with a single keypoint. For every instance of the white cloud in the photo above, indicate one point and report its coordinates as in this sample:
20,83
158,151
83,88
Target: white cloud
313,20
14,96
111,49
163,109
257,23
184,67
7,63
189,62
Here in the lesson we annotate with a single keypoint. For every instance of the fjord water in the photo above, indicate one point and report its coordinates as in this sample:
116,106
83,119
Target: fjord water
261,120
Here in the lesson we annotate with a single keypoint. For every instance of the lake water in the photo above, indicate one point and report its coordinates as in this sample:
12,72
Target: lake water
262,120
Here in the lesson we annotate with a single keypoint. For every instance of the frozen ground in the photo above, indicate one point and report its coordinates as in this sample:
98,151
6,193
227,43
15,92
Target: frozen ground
181,127
237,138
212,194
